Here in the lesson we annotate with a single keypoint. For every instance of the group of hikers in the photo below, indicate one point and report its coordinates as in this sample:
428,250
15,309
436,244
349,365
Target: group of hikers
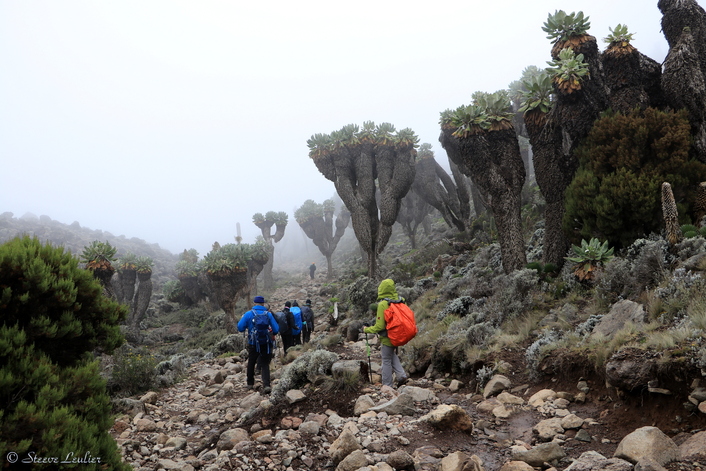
295,325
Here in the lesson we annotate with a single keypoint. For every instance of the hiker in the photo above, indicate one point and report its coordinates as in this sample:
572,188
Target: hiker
307,321
297,329
285,320
312,269
390,361
261,326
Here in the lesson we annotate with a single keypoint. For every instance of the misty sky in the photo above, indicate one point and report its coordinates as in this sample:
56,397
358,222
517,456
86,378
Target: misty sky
172,121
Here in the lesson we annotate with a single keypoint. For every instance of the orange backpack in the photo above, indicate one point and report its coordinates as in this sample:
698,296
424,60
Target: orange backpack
399,318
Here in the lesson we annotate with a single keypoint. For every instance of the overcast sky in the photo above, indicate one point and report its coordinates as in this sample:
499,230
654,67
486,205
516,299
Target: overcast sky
172,120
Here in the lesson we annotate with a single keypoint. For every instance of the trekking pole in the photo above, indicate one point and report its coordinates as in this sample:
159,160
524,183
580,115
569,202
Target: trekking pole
370,366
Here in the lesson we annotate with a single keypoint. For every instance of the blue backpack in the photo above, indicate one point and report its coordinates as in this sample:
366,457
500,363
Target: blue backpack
297,320
259,331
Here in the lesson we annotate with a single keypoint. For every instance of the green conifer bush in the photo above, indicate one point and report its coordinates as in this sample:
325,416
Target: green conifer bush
616,192
54,315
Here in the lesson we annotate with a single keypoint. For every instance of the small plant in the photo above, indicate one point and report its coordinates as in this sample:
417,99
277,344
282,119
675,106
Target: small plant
134,371
562,27
483,375
331,340
589,257
348,382
546,272
690,231
619,36
568,70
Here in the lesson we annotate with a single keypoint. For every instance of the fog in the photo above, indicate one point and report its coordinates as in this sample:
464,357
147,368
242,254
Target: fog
172,121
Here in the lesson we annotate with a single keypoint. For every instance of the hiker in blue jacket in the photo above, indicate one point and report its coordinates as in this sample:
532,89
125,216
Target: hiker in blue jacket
262,327
297,330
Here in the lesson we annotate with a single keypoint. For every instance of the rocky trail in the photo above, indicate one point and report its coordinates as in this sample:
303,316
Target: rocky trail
210,421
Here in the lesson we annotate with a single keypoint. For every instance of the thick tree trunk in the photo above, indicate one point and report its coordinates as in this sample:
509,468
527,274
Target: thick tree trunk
267,279
127,284
493,161
226,289
192,289
329,267
556,244
142,300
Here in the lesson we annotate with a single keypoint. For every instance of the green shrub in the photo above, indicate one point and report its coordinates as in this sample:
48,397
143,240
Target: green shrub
616,192
54,315
133,371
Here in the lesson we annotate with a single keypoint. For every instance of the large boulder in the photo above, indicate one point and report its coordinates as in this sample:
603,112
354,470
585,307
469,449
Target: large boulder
400,405
594,461
693,447
343,446
647,442
628,371
621,313
449,416
540,454
230,438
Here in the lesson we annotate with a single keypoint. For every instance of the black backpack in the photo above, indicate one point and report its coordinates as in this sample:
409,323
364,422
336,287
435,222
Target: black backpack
260,330
281,319
308,318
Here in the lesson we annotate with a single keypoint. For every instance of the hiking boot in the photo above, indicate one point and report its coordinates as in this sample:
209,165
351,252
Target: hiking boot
402,382
250,387
267,390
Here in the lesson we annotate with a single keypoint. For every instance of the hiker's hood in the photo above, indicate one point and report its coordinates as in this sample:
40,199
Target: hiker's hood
387,290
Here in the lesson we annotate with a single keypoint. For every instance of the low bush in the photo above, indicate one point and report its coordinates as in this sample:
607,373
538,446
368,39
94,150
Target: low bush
133,371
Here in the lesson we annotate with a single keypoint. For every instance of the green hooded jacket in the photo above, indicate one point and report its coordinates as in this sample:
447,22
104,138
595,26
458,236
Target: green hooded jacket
385,290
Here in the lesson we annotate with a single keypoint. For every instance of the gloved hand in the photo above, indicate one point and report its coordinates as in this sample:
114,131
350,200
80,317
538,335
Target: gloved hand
366,324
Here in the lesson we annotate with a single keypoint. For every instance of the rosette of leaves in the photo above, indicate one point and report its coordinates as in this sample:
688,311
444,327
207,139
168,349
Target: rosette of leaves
425,152
690,231
489,112
259,251
232,258
308,211
589,257
143,265
538,95
568,70
187,268
562,26
98,255
619,39
127,262
190,255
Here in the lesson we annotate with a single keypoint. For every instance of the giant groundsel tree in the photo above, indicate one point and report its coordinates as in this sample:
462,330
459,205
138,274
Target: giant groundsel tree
317,222
265,223
481,140
359,161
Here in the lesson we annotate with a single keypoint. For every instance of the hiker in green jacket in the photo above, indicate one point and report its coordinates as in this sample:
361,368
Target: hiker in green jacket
390,361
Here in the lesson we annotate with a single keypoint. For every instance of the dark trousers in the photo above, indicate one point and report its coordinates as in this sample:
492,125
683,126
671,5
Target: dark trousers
298,339
262,360
287,341
306,336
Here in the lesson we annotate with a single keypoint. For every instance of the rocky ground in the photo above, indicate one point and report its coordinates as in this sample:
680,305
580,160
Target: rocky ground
568,419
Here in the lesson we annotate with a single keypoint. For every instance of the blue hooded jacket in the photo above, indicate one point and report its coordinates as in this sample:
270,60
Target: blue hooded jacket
245,322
